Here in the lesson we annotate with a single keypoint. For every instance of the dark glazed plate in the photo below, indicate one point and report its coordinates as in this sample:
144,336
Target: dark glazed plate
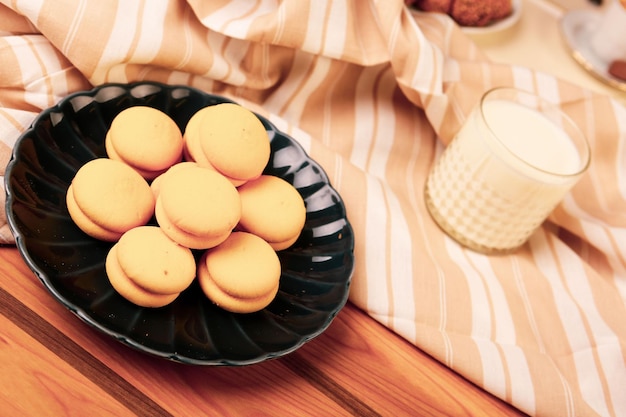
316,270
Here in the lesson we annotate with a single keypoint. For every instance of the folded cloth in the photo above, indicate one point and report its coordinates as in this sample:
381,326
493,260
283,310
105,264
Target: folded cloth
374,91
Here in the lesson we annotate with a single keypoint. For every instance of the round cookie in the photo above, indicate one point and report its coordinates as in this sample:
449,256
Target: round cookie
146,139
233,140
197,207
272,209
191,139
129,290
185,238
154,262
106,198
241,275
192,149
85,224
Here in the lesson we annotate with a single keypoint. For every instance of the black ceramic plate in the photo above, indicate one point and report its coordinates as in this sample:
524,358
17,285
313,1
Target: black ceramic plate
316,270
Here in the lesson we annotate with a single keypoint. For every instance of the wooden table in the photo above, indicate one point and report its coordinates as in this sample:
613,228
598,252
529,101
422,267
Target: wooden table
53,364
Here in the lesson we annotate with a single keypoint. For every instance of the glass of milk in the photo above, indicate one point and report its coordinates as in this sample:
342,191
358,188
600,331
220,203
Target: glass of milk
511,163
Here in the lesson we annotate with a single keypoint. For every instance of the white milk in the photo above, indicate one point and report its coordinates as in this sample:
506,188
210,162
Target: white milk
532,137
493,186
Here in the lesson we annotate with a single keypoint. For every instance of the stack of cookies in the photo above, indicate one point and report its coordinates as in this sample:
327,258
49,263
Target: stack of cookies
206,191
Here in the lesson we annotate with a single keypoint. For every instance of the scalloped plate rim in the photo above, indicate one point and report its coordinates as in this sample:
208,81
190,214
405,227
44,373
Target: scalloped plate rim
83,315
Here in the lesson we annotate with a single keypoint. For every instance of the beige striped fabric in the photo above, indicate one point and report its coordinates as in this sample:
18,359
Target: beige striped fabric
374,91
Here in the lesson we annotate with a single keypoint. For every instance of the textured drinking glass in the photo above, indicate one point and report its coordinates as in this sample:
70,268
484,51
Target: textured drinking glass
508,167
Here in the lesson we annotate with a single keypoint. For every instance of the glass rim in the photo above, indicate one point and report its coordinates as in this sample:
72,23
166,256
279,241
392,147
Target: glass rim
585,159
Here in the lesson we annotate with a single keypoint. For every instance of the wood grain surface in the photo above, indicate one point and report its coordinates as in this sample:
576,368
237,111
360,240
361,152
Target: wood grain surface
53,364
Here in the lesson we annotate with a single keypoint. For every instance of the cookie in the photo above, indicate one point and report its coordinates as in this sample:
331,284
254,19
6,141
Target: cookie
272,209
197,207
107,198
191,139
129,290
146,139
192,150
241,275
154,262
230,139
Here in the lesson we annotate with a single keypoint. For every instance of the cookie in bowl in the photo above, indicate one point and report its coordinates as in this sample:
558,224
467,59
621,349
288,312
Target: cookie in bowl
241,275
272,209
146,139
197,207
230,139
148,268
107,198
